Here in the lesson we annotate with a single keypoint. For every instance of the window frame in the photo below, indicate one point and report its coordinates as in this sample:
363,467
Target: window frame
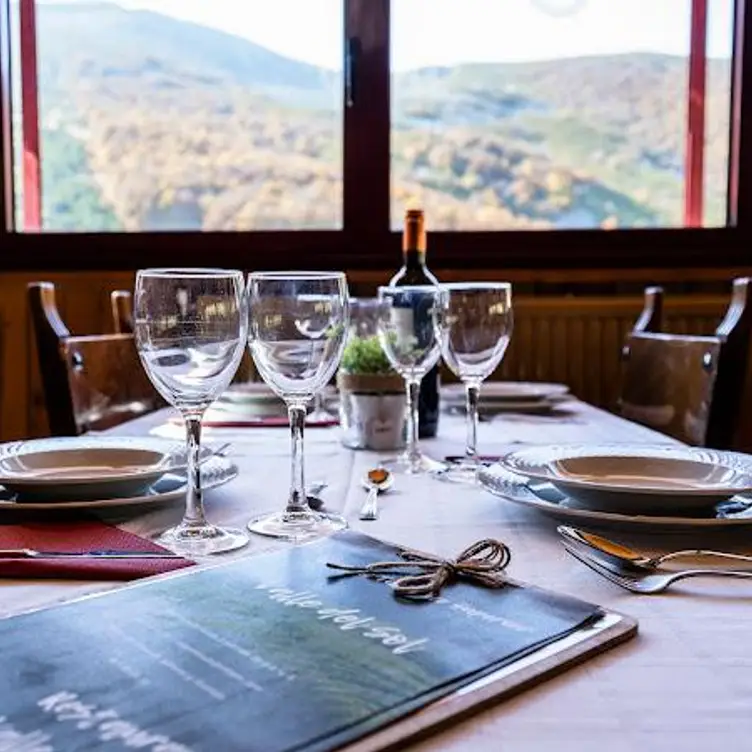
366,240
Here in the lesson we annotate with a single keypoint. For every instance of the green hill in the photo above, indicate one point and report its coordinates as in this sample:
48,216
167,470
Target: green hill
166,124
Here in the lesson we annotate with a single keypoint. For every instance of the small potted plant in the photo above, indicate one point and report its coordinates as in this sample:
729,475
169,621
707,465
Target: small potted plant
372,397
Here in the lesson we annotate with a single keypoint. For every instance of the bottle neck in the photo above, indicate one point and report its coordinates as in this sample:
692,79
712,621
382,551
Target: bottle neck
414,259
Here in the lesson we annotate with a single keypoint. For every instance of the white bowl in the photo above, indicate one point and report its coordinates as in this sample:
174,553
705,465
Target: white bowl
633,478
647,483
82,472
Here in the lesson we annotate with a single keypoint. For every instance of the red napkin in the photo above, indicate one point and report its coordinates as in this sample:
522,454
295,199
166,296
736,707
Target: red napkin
272,421
269,422
76,537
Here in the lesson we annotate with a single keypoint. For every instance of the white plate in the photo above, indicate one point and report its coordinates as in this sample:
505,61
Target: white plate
54,491
667,480
82,472
215,472
255,400
250,394
647,484
735,513
228,410
508,391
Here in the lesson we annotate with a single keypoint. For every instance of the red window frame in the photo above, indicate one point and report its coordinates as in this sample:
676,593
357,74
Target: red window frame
366,240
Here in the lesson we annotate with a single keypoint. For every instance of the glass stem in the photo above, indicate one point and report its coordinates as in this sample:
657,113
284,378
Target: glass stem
412,387
194,502
298,501
472,392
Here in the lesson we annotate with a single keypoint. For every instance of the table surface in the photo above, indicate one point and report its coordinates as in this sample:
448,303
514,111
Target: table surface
685,682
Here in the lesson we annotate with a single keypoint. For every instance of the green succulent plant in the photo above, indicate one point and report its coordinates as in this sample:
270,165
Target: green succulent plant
365,355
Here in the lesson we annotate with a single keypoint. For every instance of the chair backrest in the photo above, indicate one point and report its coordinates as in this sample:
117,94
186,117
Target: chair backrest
121,302
651,318
691,388
90,382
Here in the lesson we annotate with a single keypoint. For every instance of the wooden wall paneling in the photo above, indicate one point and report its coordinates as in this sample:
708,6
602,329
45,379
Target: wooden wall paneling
576,340
610,340
592,356
14,386
84,305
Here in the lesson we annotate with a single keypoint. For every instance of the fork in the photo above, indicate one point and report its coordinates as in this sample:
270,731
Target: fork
648,584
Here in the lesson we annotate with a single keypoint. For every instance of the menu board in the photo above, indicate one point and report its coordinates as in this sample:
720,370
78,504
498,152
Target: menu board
269,653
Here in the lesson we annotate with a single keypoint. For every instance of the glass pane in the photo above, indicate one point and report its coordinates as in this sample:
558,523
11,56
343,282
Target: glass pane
543,114
191,114
718,112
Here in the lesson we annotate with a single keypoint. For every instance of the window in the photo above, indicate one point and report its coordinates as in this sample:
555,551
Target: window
180,115
547,114
315,123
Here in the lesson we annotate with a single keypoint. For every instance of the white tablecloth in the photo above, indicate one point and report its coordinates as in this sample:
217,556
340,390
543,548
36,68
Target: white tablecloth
685,683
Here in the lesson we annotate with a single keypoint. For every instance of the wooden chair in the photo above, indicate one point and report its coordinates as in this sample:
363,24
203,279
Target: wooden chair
121,302
692,388
92,382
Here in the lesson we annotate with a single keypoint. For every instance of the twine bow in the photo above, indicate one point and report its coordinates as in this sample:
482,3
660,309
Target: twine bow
421,575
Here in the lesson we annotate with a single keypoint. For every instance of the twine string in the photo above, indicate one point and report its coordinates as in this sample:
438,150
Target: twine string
419,575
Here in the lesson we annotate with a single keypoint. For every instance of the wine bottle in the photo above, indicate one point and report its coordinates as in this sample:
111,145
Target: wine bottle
415,272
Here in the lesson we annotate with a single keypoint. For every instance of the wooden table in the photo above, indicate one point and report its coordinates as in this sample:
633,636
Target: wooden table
684,684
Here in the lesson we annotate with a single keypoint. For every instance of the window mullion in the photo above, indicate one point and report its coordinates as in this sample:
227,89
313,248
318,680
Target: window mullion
740,151
366,124
6,133
32,177
694,182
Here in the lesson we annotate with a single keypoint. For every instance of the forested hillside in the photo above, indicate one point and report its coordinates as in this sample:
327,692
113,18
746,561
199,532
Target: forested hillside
154,123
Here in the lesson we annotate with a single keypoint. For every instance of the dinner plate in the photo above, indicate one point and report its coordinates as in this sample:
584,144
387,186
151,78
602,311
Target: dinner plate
646,483
254,400
509,391
82,472
690,478
733,513
54,490
215,472
16,455
249,393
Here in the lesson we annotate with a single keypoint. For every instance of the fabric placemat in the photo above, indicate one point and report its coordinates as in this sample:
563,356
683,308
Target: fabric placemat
76,537
270,421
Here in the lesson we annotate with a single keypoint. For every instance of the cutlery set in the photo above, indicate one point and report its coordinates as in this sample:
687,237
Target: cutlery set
640,573
30,553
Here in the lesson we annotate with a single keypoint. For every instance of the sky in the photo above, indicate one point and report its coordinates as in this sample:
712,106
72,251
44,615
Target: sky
446,32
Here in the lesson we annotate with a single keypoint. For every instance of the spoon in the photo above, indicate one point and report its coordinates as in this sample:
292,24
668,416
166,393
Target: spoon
312,495
376,481
627,557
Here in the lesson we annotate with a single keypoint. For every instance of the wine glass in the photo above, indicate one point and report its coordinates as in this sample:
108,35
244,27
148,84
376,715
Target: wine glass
474,324
408,336
190,328
297,327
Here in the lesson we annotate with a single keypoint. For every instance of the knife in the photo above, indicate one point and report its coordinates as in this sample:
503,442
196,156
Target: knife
30,553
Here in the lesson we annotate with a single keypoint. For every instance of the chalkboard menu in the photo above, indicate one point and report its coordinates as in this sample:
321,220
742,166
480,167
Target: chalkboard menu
267,653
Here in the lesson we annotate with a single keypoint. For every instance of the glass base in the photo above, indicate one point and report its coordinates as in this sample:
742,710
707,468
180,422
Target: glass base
297,526
195,542
420,465
460,472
